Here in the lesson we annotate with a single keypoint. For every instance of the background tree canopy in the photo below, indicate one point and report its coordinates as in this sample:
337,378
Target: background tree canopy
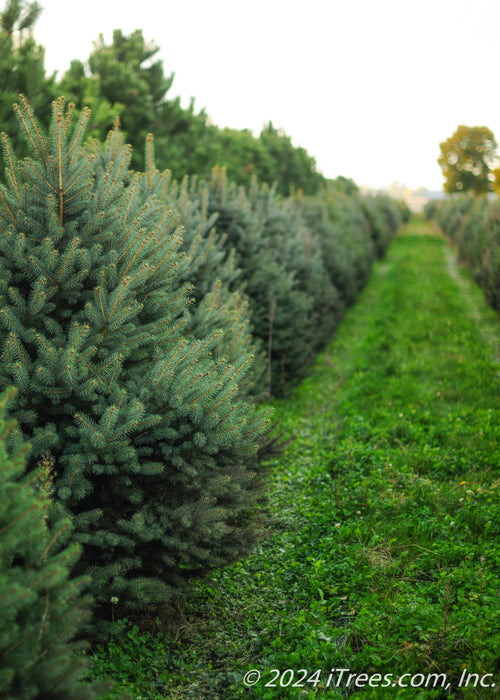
22,65
467,158
126,78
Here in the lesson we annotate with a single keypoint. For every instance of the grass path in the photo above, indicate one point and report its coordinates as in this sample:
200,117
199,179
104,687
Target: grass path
383,551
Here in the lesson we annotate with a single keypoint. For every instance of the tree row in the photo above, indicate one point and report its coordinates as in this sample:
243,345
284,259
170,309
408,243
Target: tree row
144,322
126,78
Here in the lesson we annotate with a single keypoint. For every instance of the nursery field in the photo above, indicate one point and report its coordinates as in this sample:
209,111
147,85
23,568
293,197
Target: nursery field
144,326
379,573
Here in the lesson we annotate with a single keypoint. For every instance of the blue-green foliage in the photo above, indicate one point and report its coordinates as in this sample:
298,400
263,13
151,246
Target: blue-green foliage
344,235
384,218
218,303
155,448
301,261
276,256
41,609
473,224
139,320
353,232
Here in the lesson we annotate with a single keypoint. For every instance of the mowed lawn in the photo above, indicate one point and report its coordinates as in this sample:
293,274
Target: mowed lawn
379,575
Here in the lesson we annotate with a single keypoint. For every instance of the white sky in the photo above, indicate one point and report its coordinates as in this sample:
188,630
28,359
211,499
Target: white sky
369,87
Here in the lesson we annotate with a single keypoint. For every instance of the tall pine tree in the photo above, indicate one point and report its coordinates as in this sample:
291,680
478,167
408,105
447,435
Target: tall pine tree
156,451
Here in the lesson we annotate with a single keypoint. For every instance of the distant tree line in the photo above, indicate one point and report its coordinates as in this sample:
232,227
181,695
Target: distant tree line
126,79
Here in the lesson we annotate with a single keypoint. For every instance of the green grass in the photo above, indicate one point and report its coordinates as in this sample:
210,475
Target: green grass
383,551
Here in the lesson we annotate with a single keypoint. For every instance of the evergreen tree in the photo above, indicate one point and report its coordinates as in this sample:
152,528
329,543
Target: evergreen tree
127,75
244,156
85,91
281,308
304,256
41,609
295,245
22,66
384,218
292,168
344,234
218,300
353,231
127,79
156,451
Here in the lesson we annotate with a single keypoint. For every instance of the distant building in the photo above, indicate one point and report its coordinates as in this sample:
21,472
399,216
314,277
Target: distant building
417,199
414,199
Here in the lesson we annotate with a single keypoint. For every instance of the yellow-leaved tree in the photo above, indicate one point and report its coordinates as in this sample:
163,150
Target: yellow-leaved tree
467,160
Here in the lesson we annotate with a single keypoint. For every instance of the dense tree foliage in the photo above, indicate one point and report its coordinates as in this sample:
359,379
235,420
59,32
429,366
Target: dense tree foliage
293,168
473,224
22,68
301,260
155,448
41,608
125,79
466,160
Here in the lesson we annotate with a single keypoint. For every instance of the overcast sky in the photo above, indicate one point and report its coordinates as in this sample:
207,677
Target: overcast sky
369,87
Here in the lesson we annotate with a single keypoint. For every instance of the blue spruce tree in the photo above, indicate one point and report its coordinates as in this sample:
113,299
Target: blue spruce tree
155,448
41,609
